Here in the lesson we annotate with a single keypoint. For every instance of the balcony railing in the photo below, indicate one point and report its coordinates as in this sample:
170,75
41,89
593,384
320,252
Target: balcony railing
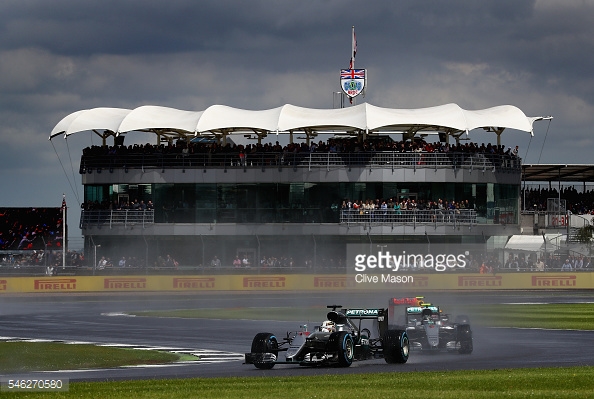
408,217
129,218
109,218
330,160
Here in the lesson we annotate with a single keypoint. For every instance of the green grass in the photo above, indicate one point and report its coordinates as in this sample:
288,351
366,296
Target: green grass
578,316
573,316
574,382
35,356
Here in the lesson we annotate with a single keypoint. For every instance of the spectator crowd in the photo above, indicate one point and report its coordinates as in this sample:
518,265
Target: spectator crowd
578,202
30,228
333,145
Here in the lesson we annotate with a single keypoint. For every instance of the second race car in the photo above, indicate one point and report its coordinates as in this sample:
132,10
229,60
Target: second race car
431,330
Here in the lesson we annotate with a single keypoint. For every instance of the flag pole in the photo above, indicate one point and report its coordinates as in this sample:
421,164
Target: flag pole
353,48
353,53
64,240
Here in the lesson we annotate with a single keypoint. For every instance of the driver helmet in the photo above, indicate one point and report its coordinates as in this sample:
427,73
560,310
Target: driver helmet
328,326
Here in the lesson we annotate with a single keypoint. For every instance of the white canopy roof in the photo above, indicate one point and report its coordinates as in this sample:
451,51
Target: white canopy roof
219,119
534,243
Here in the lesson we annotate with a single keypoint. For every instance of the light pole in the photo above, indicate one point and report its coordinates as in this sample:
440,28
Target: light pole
95,263
546,255
338,95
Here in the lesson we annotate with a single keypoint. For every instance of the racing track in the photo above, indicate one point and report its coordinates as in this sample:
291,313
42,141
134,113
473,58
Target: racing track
101,319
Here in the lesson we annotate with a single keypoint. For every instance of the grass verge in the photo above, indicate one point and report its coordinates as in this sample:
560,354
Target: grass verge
571,316
574,382
34,356
578,316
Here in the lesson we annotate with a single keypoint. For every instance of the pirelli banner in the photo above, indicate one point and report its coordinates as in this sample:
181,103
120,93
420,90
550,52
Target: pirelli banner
412,282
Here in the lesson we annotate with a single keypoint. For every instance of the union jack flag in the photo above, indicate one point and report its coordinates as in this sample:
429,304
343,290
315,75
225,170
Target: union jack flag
352,74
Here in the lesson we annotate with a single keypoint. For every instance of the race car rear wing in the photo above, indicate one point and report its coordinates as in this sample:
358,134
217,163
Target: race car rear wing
364,313
405,301
379,315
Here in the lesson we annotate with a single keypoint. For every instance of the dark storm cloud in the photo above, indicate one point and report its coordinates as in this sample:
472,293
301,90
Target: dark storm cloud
60,56
152,27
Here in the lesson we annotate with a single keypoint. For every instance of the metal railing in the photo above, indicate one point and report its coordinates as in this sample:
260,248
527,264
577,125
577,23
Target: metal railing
126,218
408,217
129,218
329,160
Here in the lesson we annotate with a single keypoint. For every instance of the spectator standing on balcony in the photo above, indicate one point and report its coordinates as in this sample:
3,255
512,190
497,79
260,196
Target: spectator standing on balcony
566,267
522,263
509,262
514,263
460,208
215,263
170,262
245,262
440,209
384,208
237,262
404,205
122,262
397,207
356,207
347,205
102,263
451,211
483,269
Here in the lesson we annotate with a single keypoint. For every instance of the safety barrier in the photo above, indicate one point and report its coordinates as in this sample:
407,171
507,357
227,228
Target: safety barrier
414,283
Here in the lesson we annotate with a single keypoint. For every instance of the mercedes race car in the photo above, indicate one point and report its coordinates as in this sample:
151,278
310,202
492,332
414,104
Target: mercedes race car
429,329
340,340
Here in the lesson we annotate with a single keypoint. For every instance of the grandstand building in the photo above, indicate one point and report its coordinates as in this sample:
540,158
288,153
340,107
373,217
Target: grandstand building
192,194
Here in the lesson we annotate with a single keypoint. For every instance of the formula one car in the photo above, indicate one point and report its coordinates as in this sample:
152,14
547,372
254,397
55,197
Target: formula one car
431,330
340,340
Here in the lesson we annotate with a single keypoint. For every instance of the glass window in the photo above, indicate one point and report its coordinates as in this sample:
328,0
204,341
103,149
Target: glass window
300,202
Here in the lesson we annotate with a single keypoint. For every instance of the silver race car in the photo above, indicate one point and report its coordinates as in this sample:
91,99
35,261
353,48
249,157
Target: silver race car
343,338
431,330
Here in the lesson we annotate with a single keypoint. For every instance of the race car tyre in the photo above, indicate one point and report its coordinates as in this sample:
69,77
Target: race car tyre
396,346
342,343
265,343
465,339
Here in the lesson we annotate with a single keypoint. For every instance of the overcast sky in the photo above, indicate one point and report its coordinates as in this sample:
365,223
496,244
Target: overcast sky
61,56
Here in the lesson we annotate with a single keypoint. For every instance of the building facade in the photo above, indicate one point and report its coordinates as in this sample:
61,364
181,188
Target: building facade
292,208
299,205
